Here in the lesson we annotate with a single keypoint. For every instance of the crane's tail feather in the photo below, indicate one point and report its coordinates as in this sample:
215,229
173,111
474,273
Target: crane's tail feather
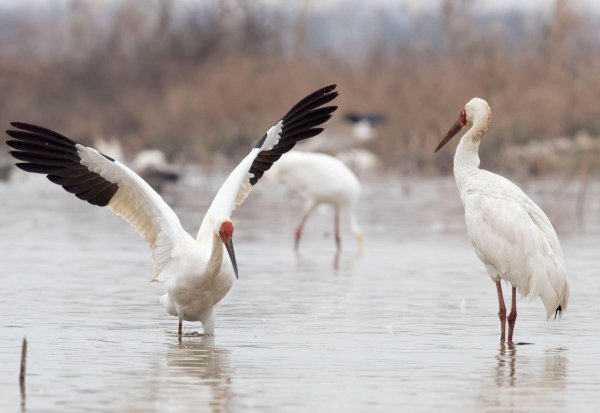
558,311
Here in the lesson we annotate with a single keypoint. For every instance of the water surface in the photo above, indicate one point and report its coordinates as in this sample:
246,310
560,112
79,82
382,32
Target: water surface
411,323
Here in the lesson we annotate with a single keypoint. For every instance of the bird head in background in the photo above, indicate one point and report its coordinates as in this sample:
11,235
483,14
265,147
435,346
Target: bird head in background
224,228
364,123
476,110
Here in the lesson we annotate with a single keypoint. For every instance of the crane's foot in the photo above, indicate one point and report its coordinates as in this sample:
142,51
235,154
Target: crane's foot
188,333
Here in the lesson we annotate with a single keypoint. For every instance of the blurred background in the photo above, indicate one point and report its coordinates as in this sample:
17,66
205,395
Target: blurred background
412,321
201,78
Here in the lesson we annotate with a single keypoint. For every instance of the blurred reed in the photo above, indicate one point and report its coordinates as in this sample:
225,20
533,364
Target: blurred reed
200,78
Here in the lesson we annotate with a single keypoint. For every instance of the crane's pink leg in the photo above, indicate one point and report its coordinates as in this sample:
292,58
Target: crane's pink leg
300,227
336,225
512,317
501,311
299,231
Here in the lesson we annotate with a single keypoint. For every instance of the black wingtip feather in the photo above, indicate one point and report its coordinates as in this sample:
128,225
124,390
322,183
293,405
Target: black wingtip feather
310,104
313,118
298,123
324,91
40,130
38,146
47,152
310,133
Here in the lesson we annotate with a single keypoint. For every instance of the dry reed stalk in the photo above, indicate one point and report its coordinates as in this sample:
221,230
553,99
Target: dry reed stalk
23,372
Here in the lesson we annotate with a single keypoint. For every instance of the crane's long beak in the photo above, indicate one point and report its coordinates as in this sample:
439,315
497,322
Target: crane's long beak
229,246
458,125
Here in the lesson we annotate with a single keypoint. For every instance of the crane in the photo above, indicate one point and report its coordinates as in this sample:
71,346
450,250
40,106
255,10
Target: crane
321,179
510,234
196,273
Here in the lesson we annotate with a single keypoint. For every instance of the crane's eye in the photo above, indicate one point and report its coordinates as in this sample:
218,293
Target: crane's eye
463,116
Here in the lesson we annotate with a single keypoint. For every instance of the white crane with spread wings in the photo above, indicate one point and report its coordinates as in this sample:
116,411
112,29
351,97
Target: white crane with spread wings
195,271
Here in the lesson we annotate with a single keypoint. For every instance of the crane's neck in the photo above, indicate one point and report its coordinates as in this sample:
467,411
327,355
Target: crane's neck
215,261
466,158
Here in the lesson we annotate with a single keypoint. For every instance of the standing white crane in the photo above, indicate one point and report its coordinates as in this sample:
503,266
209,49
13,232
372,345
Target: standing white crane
321,179
195,272
509,232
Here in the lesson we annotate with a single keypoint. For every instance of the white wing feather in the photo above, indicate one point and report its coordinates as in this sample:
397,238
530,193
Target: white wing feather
237,186
139,205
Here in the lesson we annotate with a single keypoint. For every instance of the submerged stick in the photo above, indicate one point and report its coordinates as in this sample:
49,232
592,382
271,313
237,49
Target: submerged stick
22,373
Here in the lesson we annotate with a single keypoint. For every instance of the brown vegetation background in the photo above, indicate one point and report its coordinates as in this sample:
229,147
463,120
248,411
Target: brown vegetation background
210,76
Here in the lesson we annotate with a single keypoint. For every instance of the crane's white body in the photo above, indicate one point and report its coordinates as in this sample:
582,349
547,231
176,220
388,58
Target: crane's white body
200,274
509,232
321,179
196,273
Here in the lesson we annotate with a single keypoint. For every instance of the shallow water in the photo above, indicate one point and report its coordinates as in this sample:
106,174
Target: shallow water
409,324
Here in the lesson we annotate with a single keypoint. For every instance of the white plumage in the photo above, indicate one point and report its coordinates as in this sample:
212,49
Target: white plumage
509,232
195,272
321,179
137,203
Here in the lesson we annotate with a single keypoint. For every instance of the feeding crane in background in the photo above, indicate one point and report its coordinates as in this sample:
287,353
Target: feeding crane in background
152,166
195,272
509,232
321,179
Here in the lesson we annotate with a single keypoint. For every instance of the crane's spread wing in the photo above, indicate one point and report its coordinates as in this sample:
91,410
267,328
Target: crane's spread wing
515,238
99,180
299,123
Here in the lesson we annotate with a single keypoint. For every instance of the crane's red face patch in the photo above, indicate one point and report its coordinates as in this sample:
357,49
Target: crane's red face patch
226,231
463,117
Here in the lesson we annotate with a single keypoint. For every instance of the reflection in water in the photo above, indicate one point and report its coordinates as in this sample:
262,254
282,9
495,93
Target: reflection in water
191,373
524,378
556,365
336,261
202,362
343,262
23,373
506,365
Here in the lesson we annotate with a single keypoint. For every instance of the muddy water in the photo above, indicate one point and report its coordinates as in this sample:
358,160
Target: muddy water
411,323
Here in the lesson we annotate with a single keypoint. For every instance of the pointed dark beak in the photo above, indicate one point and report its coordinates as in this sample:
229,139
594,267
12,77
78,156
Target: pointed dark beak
458,125
231,252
